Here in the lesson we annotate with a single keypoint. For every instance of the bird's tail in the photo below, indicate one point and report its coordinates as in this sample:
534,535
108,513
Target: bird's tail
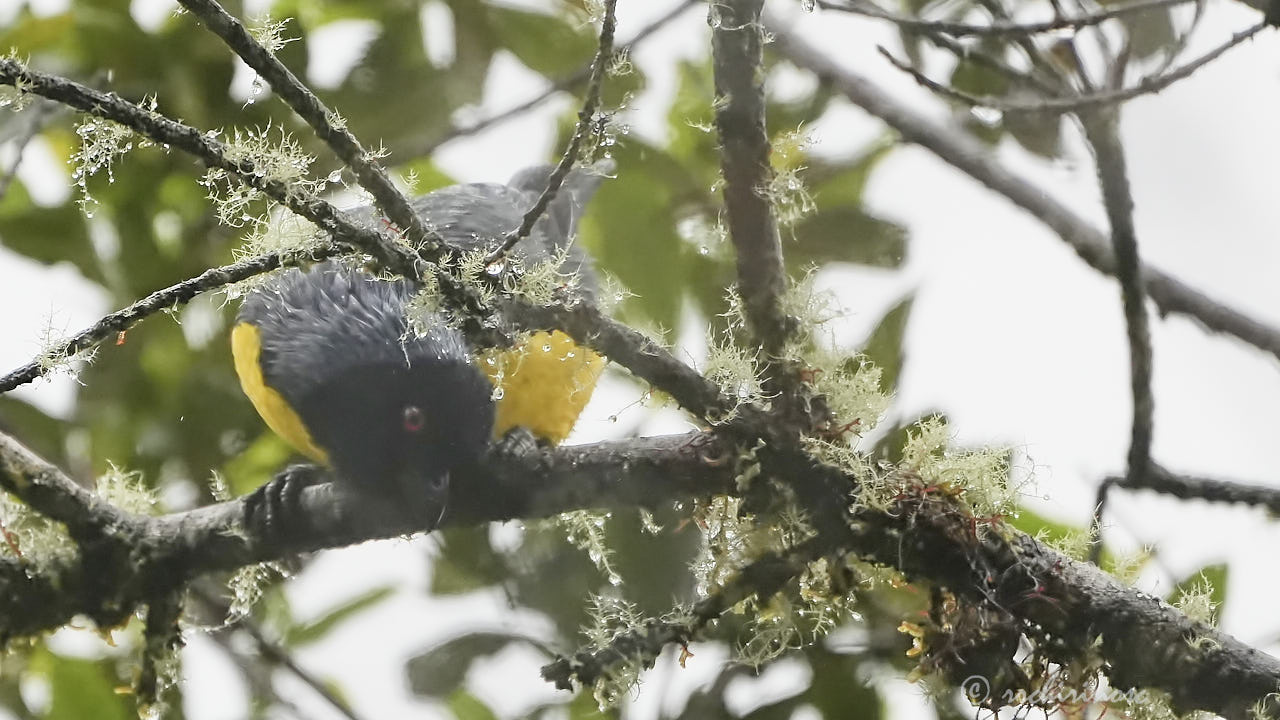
574,194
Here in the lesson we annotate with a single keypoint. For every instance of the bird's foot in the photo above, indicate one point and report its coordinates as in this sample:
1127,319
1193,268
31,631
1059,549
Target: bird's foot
274,511
516,443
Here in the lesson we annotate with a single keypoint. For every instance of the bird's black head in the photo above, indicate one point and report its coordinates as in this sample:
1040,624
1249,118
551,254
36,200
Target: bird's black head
395,432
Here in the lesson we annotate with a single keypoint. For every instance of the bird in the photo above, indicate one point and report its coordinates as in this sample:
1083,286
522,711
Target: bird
389,408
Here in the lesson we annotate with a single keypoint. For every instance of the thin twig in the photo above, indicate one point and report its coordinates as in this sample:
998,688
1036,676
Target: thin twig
115,324
972,157
1192,487
34,122
1076,103
386,251
586,116
327,124
999,28
985,59
561,85
1102,132
275,653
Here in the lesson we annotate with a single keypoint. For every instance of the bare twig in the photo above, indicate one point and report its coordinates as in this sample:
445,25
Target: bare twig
1077,103
118,322
1191,487
1102,132
586,117
327,124
561,85
956,148
32,124
999,28
276,654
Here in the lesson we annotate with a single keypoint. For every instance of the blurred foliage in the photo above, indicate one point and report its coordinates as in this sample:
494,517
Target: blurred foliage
165,400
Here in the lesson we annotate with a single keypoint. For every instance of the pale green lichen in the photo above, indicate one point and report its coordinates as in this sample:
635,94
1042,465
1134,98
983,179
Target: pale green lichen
53,358
979,477
585,530
270,33
1074,544
34,538
791,199
127,491
18,96
1127,567
246,586
102,142
612,618
219,488
274,160
1196,601
734,369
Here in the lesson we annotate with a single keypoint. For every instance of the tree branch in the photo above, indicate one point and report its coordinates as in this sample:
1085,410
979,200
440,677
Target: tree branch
738,58
168,298
564,83
1076,103
999,28
968,155
1102,132
586,116
327,124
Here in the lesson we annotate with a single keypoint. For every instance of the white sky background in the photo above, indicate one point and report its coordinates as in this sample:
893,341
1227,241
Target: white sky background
1011,335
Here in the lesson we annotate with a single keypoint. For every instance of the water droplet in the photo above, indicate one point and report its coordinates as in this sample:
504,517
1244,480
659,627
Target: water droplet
495,268
498,394
987,116
546,348
704,250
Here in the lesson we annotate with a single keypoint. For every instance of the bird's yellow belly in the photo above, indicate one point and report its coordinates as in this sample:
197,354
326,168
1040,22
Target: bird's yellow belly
542,385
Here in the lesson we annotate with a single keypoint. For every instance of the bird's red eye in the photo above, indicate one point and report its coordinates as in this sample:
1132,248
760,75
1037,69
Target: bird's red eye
414,419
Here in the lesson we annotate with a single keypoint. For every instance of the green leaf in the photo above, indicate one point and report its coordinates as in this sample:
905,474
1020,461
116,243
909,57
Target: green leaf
316,629
466,562
1039,133
1037,525
466,706
83,689
545,43
441,670
847,234
884,345
257,463
47,234
44,434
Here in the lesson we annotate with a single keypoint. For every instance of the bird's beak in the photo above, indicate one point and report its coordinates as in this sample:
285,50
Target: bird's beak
426,497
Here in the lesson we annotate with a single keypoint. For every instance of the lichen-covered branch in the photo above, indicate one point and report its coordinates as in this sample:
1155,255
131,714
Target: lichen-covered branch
158,301
213,153
970,156
761,579
737,51
125,560
327,124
